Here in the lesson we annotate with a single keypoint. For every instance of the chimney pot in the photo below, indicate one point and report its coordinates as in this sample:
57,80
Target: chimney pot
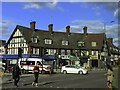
50,28
110,40
32,25
85,29
68,30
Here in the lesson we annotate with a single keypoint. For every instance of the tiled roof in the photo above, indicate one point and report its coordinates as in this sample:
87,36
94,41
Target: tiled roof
57,38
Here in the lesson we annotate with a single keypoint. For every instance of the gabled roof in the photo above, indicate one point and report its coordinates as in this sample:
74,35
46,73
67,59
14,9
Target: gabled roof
24,30
73,38
57,38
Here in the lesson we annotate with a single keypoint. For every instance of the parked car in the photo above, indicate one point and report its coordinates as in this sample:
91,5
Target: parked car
73,69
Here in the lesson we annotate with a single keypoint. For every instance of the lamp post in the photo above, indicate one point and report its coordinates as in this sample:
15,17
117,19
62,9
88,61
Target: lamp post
105,23
105,43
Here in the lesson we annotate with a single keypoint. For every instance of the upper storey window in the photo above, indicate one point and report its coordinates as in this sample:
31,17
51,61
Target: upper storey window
81,44
93,44
64,42
34,39
48,41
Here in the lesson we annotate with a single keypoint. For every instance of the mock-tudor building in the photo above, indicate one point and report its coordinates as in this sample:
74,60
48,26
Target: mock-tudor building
61,45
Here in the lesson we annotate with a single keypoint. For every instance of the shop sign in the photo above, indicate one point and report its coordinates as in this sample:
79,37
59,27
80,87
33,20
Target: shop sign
93,57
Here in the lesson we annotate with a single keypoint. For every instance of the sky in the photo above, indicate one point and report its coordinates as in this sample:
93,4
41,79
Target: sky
99,17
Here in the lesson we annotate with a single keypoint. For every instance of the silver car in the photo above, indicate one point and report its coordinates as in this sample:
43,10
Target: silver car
73,69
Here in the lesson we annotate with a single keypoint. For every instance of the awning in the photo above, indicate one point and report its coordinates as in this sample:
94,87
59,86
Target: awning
49,57
15,56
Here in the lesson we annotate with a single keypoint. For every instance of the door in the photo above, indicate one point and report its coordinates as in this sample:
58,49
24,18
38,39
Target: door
94,63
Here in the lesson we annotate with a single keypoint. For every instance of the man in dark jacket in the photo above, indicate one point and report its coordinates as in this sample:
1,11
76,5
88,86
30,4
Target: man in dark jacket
16,74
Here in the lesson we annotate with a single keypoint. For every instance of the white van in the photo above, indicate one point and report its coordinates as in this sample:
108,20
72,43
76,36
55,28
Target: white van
27,65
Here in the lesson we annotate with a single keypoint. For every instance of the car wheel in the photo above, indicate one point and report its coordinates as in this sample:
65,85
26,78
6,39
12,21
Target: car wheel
80,72
65,72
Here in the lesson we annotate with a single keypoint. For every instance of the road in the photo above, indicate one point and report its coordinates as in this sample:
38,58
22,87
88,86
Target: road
95,79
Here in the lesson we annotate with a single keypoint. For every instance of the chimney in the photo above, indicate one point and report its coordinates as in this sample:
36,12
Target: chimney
50,28
85,30
110,40
68,30
32,25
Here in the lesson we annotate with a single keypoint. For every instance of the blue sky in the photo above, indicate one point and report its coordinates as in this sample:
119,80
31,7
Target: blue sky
60,14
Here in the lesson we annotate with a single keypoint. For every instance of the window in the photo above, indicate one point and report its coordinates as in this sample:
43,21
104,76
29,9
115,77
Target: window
110,48
84,53
93,44
63,52
64,42
34,39
81,44
68,52
0,50
13,41
39,63
51,51
35,50
67,66
48,41
22,40
94,53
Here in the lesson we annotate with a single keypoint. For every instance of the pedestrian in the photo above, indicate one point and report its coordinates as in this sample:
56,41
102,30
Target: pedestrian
16,72
110,76
36,75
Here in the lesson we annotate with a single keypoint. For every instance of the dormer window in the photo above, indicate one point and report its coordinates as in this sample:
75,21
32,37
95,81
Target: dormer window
34,39
81,44
64,42
93,44
48,41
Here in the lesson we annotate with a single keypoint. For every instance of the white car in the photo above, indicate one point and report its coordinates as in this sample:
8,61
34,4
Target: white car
73,69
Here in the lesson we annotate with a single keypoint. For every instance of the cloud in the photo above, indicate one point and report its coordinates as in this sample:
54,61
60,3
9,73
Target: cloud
98,13
28,0
32,5
38,5
4,28
111,6
96,26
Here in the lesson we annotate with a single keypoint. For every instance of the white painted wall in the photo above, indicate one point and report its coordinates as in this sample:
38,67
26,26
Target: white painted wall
17,42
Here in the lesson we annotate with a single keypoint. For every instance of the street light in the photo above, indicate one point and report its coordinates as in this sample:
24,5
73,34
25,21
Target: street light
105,43
105,25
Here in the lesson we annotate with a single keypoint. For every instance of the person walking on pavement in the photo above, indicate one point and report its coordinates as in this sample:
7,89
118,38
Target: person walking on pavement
36,75
16,74
110,76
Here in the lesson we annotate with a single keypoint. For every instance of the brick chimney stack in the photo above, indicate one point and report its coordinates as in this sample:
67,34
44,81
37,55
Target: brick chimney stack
32,25
85,30
50,28
110,40
68,30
